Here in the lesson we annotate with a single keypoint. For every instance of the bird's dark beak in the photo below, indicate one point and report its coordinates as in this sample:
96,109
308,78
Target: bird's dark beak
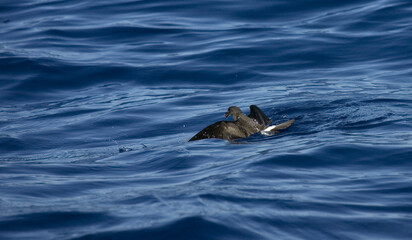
227,114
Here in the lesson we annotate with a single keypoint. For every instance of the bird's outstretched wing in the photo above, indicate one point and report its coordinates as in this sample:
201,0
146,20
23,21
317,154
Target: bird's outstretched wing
281,126
223,129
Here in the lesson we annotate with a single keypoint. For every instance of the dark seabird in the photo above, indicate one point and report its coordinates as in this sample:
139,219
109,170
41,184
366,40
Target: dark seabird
243,126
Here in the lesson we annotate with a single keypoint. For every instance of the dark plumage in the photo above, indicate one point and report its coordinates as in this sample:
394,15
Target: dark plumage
258,115
242,126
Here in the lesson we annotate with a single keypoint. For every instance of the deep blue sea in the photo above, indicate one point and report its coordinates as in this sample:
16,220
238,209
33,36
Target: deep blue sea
98,100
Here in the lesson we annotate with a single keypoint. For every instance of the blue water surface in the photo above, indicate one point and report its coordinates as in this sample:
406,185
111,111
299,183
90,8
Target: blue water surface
99,99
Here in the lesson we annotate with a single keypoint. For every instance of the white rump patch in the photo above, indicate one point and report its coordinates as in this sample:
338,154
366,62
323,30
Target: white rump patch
267,131
269,128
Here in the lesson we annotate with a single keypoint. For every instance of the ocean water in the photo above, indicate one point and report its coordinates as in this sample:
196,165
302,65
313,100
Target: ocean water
99,99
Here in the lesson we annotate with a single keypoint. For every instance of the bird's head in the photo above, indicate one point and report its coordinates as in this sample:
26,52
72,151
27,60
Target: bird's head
234,111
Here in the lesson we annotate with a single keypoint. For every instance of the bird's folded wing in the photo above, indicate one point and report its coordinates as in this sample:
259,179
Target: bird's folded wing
259,115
